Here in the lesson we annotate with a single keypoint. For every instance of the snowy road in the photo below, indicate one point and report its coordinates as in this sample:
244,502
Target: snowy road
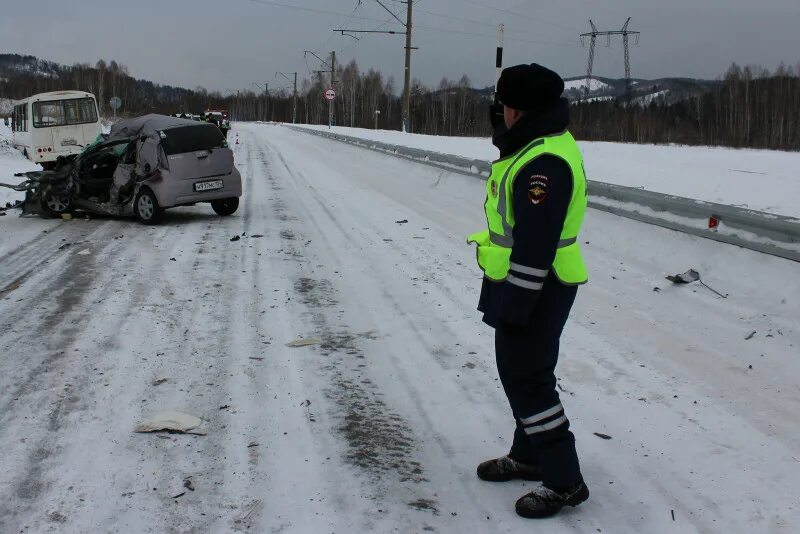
378,428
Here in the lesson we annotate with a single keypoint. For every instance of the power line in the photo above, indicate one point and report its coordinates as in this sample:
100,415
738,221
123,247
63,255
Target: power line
537,20
310,9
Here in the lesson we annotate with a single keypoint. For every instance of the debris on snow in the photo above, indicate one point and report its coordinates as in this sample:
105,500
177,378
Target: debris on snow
602,436
252,508
304,342
235,238
692,276
188,483
159,381
750,336
256,235
685,278
172,421
84,252
252,444
404,221
179,495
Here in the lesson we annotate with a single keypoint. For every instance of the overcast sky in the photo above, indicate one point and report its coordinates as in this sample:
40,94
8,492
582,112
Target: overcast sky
231,44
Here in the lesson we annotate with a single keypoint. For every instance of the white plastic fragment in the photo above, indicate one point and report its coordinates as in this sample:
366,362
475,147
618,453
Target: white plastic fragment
172,421
304,342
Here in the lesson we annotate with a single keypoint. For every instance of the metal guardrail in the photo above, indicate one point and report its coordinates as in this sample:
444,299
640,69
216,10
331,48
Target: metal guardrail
776,235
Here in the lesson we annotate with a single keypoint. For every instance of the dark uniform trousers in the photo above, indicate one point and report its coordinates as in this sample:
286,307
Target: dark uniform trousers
526,362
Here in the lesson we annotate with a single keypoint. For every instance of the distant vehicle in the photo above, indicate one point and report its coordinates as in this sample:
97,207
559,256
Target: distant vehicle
51,125
145,165
220,118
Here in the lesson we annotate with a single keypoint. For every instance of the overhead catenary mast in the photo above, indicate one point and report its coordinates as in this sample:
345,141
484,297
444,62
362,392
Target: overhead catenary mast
408,48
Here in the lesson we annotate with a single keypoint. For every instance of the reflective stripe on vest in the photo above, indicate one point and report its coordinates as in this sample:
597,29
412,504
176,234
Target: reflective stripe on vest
494,245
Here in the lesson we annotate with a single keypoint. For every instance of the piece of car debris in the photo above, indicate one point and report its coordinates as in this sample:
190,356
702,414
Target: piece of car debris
172,259
750,335
404,221
159,381
256,235
172,421
602,436
252,444
179,495
684,278
692,276
188,483
304,342
84,252
235,238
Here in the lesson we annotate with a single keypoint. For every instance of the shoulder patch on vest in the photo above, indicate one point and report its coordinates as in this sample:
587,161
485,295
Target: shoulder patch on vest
538,189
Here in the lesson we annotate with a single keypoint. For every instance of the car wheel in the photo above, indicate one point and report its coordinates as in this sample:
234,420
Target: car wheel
225,206
146,207
54,205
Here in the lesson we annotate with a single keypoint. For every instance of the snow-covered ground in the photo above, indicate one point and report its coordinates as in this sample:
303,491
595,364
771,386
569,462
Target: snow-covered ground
763,180
11,161
380,426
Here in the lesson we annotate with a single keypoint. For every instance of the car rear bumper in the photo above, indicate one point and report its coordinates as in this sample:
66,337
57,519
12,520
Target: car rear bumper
175,192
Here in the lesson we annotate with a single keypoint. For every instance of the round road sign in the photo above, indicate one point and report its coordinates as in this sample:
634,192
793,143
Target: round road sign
115,102
330,94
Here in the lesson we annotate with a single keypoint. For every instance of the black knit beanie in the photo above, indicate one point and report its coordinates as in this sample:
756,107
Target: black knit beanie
529,87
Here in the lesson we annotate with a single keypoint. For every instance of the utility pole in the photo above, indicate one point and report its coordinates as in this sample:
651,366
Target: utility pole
408,48
265,116
407,80
498,60
332,66
625,33
294,92
333,82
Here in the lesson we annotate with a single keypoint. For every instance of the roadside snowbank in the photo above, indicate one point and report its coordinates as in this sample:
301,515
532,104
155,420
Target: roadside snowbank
11,161
762,180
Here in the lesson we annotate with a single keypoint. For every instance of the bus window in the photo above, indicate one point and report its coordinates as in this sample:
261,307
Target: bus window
64,112
48,114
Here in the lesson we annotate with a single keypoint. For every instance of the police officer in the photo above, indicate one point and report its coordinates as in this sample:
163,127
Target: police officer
532,265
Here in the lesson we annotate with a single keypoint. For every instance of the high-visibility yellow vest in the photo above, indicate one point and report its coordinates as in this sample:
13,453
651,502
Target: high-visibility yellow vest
494,244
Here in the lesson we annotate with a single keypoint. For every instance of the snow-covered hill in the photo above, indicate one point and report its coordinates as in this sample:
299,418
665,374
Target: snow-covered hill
579,84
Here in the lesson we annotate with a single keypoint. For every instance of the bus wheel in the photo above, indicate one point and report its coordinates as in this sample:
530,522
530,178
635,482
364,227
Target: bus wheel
55,205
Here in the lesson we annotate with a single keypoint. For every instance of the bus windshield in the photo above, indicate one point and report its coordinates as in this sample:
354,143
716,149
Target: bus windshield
64,112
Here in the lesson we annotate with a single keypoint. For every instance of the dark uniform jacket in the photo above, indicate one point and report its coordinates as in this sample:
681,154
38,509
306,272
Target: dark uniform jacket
540,207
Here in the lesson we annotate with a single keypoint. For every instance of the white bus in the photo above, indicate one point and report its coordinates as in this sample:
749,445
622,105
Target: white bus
49,125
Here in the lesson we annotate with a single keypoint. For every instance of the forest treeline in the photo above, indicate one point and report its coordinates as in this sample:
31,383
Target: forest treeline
748,107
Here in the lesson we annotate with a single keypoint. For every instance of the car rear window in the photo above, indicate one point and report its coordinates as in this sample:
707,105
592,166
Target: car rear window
192,138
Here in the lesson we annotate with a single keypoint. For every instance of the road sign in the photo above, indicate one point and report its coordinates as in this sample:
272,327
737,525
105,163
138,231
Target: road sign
330,94
115,103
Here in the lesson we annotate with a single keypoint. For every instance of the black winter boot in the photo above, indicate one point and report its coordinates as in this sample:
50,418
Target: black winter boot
545,502
506,468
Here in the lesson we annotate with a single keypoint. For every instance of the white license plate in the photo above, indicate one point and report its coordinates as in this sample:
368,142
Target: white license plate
208,186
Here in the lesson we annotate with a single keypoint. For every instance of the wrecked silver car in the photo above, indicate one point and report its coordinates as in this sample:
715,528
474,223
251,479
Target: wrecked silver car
143,166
